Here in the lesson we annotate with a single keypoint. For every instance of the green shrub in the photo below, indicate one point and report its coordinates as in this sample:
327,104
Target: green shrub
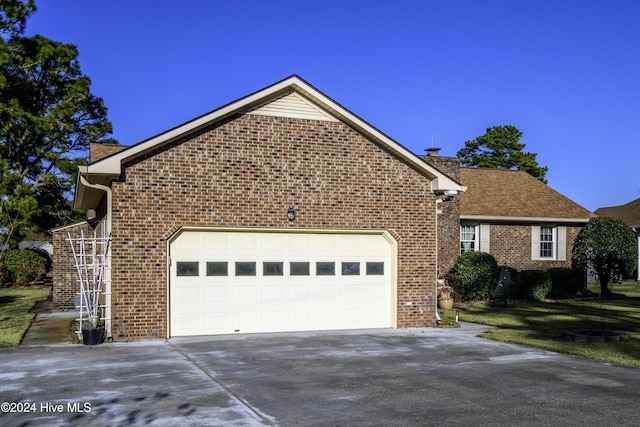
564,283
21,266
479,274
536,280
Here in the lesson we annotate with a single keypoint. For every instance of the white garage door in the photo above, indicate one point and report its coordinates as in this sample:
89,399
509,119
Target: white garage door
230,282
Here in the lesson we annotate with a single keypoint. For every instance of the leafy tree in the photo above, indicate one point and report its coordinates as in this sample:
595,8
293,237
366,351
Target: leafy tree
48,117
500,148
609,246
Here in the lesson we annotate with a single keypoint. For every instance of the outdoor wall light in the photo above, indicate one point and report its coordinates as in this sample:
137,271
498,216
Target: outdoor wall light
291,213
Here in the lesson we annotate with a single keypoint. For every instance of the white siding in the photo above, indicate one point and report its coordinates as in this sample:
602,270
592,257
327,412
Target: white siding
294,106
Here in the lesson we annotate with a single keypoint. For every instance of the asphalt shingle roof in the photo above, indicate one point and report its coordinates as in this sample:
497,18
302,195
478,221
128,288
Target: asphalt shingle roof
509,193
629,213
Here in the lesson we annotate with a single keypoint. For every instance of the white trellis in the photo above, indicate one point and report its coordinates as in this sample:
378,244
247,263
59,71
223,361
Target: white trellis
91,258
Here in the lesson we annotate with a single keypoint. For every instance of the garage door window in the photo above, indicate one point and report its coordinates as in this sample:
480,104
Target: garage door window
245,268
187,268
325,268
217,269
350,268
375,269
272,269
299,268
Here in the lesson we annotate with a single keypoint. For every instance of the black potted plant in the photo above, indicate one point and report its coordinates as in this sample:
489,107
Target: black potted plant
94,332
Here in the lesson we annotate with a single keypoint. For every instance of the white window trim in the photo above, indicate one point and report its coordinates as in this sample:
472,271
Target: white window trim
554,242
559,243
476,234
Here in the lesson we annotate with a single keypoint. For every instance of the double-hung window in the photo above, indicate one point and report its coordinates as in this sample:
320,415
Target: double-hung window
547,242
468,238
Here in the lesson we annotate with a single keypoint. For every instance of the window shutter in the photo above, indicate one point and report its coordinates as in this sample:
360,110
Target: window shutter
562,243
485,232
535,242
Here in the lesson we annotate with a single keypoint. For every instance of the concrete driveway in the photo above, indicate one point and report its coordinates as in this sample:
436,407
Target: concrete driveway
352,378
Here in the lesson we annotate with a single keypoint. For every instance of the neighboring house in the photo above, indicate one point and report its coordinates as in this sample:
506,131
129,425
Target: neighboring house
630,214
281,211
522,222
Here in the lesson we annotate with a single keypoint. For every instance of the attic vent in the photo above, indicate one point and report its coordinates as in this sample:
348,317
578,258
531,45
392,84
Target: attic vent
294,106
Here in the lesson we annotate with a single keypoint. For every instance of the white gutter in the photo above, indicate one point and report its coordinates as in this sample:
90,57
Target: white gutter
107,232
522,219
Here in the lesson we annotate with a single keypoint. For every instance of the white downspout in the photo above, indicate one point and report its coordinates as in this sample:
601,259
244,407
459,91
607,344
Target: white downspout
107,272
438,212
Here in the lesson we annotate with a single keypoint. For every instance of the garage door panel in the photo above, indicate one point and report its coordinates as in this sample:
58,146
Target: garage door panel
272,320
326,293
300,243
324,244
326,318
217,295
216,243
245,294
299,294
245,321
302,319
188,322
351,317
188,295
217,320
351,293
271,294
273,242
282,289
245,242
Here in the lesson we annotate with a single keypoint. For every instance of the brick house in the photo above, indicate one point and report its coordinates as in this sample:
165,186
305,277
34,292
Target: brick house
280,211
522,222
630,214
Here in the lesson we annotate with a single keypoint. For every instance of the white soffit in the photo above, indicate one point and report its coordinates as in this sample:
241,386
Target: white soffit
293,106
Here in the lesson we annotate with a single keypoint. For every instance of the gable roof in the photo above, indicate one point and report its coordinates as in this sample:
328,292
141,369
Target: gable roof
510,195
629,213
291,97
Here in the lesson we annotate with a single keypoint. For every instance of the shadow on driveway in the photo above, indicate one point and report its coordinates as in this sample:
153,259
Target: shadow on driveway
356,378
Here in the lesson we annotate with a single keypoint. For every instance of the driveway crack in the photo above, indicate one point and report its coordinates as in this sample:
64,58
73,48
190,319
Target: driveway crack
264,419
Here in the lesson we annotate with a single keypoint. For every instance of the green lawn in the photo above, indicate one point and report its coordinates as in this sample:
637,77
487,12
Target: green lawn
543,324
15,316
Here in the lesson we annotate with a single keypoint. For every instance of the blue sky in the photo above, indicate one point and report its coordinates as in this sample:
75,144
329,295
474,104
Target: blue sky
564,72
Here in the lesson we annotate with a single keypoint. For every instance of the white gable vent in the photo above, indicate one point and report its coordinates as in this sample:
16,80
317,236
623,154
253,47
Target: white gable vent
294,106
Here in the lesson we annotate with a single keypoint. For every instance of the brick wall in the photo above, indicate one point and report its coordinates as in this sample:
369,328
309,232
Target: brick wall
511,245
245,173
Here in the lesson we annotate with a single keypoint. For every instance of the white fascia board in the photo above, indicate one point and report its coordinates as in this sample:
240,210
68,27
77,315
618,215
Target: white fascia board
440,182
528,219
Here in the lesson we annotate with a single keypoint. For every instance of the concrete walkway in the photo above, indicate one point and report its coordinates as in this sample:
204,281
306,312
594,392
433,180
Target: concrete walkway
50,329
